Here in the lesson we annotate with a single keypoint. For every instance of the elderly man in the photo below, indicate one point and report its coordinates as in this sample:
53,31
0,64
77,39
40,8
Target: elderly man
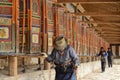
65,59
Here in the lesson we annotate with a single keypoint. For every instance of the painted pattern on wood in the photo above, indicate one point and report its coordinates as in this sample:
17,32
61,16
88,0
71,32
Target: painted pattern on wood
32,29
6,26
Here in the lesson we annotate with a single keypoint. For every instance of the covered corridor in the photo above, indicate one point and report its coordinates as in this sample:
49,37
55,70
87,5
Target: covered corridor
29,28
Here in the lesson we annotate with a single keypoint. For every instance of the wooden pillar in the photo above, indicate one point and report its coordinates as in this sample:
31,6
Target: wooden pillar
23,25
44,34
16,7
12,66
43,26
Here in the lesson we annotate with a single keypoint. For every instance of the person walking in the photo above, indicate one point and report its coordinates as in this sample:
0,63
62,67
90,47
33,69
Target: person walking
65,59
110,57
103,55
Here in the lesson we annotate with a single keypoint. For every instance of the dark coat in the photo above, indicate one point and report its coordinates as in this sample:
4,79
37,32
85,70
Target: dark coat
110,54
103,54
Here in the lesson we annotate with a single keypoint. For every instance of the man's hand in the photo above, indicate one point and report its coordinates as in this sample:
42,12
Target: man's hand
44,55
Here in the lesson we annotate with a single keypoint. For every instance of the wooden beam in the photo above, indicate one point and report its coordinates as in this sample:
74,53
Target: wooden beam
112,39
110,32
110,35
101,22
90,1
108,27
111,28
97,14
114,42
118,37
116,31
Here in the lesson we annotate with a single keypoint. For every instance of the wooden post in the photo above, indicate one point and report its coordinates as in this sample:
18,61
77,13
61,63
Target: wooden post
43,25
44,32
23,25
29,10
16,26
30,24
12,66
47,65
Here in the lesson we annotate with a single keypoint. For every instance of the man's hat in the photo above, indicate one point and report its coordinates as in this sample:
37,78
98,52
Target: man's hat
60,43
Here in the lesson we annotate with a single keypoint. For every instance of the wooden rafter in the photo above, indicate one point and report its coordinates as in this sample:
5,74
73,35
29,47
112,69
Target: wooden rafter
101,22
116,38
111,30
98,14
86,1
103,14
108,29
112,40
108,26
110,36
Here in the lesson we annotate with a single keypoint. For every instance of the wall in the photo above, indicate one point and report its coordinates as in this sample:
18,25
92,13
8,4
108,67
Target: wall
116,61
86,68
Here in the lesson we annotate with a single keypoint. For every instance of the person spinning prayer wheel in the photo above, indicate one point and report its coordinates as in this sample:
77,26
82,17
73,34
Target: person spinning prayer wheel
65,59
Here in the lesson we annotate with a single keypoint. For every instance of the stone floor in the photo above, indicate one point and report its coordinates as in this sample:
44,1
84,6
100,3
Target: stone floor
109,74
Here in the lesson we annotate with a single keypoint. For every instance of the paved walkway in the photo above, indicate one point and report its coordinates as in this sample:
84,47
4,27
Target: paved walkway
109,74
